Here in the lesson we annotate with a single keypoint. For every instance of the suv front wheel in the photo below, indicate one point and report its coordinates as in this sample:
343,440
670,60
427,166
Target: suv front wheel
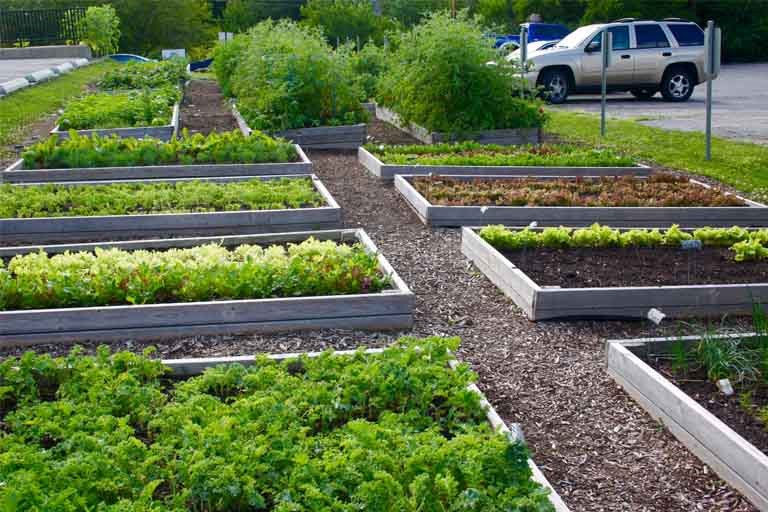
677,85
556,85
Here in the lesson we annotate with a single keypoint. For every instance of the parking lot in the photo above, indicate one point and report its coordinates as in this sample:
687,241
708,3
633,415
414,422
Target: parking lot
19,68
740,108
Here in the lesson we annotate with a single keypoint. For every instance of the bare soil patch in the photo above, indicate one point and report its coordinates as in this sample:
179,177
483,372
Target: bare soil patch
204,109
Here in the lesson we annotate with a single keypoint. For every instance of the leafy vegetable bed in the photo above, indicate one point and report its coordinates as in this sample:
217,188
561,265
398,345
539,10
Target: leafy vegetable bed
604,272
475,154
95,151
142,75
656,190
207,272
684,398
58,200
395,431
132,109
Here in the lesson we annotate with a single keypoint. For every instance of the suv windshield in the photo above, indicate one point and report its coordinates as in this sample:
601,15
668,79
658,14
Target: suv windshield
576,37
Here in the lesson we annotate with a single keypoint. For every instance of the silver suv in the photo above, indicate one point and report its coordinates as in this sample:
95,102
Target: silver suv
647,57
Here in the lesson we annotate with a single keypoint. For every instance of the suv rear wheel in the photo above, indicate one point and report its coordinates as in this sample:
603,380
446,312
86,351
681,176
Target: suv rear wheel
643,94
556,84
677,84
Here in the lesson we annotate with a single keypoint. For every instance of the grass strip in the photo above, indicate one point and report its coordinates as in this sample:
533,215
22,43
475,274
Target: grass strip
739,164
473,153
57,200
205,273
658,190
21,109
397,431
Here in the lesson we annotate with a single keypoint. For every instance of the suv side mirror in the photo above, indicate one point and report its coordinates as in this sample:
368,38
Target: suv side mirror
593,46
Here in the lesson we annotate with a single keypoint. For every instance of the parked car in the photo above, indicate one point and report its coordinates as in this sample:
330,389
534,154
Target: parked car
536,32
514,53
647,57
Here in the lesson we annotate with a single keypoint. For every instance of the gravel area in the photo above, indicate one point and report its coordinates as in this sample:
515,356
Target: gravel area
597,447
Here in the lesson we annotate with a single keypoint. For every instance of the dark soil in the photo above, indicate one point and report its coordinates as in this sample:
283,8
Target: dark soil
204,109
597,447
726,408
589,268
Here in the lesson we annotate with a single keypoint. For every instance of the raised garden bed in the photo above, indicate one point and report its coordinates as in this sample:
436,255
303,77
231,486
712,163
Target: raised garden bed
602,278
163,132
360,446
737,461
197,219
500,137
390,308
474,200
323,137
388,161
195,156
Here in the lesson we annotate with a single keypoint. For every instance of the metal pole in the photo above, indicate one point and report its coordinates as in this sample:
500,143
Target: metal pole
605,50
711,60
453,8
523,57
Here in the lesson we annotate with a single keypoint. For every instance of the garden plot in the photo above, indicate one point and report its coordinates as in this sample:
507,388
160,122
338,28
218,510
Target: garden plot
200,286
150,113
655,201
475,159
659,375
501,137
321,137
600,272
192,156
113,210
398,429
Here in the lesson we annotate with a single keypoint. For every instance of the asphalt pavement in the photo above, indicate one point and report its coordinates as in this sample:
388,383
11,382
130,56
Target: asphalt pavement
739,108
19,68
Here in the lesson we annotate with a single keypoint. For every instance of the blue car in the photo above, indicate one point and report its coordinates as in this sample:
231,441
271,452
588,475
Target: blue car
536,32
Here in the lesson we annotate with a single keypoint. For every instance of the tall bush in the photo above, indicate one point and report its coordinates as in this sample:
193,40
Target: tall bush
345,20
100,29
445,76
286,76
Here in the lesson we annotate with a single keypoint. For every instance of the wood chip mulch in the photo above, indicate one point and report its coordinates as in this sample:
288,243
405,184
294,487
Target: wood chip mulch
597,447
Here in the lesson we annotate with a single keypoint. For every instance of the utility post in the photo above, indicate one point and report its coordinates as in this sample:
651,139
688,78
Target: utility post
712,49
453,8
523,57
606,43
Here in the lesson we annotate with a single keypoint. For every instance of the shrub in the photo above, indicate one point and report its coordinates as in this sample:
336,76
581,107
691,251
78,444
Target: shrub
145,108
288,77
101,29
345,20
140,75
221,148
368,63
439,77
226,58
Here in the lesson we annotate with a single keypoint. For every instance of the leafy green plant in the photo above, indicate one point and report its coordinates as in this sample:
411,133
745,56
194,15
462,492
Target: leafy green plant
345,20
377,432
598,236
142,75
367,64
209,272
95,151
286,76
439,77
658,190
57,200
139,108
474,153
101,29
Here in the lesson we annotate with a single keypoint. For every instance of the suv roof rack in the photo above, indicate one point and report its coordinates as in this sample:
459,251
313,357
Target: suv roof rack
676,19
625,20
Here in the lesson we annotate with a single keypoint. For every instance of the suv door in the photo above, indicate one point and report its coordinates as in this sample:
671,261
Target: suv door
621,69
652,51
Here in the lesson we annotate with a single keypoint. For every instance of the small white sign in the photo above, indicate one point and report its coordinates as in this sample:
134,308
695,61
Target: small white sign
655,316
226,36
725,387
169,54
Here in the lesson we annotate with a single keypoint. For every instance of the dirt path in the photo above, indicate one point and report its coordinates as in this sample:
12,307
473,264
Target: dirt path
204,109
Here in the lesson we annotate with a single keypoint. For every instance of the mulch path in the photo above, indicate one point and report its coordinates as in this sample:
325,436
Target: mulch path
587,268
204,110
597,447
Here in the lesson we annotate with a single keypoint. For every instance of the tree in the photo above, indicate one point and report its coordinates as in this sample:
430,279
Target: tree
100,29
345,20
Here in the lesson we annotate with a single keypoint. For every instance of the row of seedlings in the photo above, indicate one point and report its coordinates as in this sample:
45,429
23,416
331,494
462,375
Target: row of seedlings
137,99
285,79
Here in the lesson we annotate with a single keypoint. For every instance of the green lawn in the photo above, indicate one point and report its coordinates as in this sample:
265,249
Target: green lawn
20,109
741,165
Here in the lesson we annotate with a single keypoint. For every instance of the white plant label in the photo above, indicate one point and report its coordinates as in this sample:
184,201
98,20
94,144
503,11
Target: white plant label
725,387
655,316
